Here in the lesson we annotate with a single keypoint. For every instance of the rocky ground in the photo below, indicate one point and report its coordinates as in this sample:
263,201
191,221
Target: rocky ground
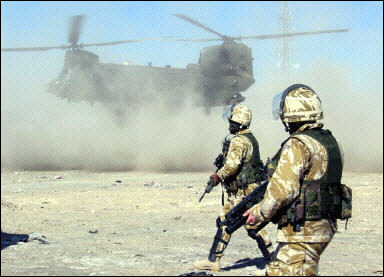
142,223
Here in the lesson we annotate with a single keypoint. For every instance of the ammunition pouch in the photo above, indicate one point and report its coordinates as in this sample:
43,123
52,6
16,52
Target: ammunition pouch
230,185
318,201
327,201
242,181
249,175
346,202
292,214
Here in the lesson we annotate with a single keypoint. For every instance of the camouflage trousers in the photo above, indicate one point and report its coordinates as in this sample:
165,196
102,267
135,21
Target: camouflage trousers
296,259
231,201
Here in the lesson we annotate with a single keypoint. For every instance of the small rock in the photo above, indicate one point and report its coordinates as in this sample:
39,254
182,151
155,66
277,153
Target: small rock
118,181
183,261
93,231
58,177
39,237
153,184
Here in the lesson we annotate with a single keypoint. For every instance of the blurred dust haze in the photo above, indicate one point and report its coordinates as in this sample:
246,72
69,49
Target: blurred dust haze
40,131
58,134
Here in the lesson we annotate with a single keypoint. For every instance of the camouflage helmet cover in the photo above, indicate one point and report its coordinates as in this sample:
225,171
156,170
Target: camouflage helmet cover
241,114
298,103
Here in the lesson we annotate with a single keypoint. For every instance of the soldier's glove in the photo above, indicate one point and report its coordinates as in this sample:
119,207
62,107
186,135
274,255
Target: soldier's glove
215,178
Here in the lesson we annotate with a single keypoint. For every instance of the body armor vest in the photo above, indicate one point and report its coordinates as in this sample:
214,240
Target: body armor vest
250,172
325,198
321,198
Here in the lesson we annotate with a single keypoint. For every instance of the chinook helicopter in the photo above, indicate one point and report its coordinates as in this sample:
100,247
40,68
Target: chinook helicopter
222,73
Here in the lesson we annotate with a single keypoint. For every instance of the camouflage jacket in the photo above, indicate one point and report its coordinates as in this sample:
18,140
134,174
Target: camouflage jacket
240,151
302,158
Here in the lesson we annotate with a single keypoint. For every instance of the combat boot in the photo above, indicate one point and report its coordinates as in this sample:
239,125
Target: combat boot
220,242
207,265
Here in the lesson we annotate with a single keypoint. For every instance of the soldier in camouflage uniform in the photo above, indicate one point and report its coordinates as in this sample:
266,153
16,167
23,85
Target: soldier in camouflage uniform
309,164
241,173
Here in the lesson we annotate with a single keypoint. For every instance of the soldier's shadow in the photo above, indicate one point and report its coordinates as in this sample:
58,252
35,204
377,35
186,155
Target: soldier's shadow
258,262
12,239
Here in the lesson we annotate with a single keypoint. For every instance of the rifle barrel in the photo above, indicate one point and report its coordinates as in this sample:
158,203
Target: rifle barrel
201,198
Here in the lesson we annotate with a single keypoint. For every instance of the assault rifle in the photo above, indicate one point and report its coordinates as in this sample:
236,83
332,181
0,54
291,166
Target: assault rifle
234,219
219,163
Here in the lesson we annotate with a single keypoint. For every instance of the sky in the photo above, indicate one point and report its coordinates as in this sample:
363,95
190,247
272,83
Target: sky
346,68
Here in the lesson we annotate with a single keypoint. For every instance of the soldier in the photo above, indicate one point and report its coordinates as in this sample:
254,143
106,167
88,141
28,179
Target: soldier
309,165
241,173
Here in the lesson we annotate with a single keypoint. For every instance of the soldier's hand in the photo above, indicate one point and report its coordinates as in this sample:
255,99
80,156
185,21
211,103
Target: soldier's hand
251,220
215,178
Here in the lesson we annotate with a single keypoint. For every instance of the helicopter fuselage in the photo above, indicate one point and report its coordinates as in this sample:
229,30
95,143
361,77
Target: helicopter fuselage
222,73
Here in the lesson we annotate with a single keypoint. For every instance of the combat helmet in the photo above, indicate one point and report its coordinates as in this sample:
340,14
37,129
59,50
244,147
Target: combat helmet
297,103
240,114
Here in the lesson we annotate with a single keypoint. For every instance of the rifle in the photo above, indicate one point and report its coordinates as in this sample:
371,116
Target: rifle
219,163
234,219
208,188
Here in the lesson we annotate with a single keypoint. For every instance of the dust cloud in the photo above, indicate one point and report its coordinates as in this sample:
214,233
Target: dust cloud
76,135
354,114
160,137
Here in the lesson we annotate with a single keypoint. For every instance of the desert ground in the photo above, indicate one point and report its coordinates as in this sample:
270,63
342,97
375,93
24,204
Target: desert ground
148,223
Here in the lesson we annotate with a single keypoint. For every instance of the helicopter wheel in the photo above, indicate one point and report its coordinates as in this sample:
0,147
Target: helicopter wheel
236,98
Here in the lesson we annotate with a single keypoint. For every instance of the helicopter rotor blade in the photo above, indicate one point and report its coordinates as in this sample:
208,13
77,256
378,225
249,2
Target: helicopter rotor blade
199,40
35,48
76,23
122,41
186,18
80,45
291,34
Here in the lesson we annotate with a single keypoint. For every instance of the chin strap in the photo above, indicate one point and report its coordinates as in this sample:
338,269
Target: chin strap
286,126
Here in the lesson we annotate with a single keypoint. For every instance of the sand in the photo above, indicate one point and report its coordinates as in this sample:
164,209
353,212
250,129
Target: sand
150,223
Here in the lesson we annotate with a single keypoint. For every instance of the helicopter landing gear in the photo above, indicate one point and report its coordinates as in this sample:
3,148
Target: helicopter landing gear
236,98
